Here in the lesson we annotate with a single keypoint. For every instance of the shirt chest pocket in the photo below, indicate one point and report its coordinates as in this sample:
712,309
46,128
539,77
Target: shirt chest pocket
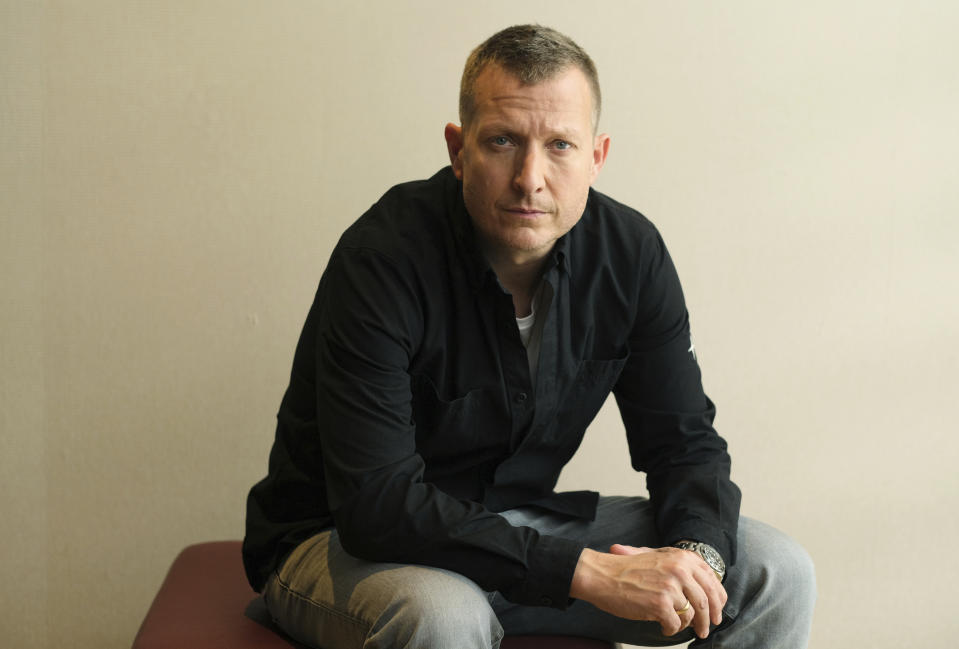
588,392
447,427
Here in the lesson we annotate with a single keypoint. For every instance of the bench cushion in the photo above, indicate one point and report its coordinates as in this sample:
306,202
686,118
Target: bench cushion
205,602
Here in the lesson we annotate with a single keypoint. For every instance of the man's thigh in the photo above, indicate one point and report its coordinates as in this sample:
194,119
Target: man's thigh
324,597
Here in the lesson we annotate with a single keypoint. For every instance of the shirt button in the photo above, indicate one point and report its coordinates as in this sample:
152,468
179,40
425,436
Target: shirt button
520,397
546,601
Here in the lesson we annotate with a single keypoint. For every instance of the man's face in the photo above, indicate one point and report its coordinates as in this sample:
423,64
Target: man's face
526,159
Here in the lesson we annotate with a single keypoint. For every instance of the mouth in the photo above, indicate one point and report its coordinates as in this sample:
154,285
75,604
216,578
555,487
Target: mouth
525,212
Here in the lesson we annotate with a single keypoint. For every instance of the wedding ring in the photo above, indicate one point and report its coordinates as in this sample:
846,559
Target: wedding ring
680,611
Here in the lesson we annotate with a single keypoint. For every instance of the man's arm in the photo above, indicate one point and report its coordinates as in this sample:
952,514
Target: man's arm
668,423
668,418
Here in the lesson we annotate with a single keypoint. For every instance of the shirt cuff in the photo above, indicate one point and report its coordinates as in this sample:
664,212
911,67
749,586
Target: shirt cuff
552,562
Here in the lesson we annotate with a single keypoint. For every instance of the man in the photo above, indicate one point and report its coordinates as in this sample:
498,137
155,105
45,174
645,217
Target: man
465,332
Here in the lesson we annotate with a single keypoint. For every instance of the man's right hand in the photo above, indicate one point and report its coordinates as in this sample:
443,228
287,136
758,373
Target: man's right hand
651,584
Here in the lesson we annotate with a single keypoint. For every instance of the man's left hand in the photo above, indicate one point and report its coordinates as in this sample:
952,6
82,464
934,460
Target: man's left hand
715,593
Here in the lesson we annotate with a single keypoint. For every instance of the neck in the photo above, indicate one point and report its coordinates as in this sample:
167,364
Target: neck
520,276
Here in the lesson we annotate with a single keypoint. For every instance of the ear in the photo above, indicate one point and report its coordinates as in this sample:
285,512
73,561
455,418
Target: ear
454,145
600,151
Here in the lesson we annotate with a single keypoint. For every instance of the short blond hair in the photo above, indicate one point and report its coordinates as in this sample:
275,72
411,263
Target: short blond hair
533,54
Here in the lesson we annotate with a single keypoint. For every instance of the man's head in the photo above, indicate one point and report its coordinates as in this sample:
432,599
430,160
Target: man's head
531,53
527,151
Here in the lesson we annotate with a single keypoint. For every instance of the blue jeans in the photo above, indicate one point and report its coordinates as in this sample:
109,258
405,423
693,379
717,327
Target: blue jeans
330,600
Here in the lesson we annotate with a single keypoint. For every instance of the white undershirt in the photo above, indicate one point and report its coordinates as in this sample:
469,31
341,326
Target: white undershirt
529,333
525,326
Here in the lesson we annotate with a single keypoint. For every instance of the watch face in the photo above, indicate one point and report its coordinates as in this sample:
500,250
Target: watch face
712,557
707,552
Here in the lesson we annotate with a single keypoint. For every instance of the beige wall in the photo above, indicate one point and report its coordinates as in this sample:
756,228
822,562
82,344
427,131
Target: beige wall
173,176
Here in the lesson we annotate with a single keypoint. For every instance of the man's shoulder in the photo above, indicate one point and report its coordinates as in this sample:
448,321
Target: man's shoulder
421,194
620,233
407,217
603,211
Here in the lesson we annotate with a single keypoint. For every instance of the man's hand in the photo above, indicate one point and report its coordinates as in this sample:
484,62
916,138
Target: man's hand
651,584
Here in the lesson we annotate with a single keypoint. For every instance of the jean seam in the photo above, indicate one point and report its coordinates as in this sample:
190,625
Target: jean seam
360,622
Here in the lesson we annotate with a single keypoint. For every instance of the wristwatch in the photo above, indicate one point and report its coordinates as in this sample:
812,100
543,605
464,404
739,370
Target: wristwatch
709,555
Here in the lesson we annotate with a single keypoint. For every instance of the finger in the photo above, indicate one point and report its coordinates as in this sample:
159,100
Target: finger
620,549
700,599
717,600
673,624
715,593
699,607
686,615
673,617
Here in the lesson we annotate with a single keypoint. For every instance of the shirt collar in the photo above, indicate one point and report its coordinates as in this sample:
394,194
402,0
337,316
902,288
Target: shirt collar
477,267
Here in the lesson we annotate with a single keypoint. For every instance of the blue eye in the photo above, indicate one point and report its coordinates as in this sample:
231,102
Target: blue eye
501,140
562,145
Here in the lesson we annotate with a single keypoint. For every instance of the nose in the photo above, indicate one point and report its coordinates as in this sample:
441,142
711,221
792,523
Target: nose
530,171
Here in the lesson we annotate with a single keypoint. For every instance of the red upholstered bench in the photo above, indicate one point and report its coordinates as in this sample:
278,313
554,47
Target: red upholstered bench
206,603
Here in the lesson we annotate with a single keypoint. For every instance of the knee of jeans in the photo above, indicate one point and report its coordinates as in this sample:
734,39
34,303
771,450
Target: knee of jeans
802,571
439,609
784,563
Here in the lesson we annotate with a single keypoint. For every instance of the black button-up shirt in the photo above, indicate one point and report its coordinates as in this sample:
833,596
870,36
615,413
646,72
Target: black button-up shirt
411,417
